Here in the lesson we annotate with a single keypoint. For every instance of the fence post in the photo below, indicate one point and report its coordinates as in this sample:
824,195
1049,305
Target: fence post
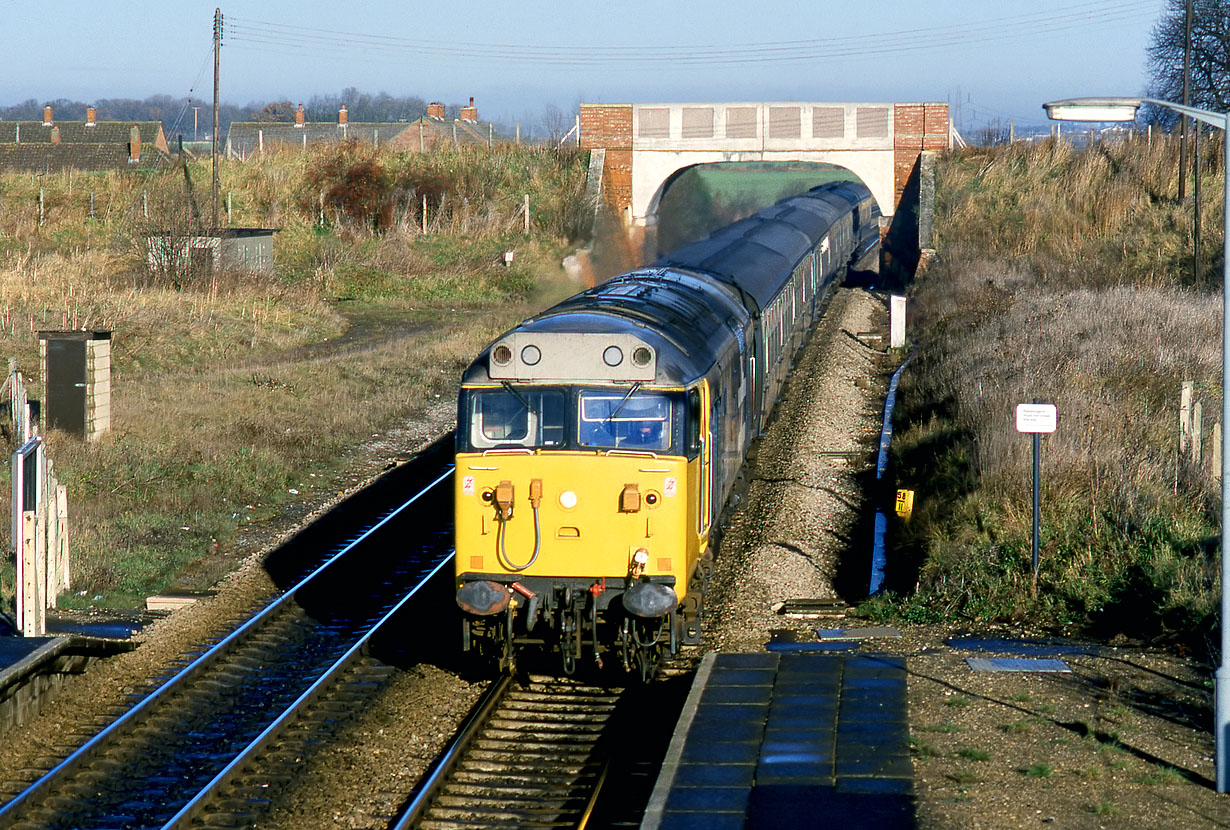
1217,451
1185,416
527,214
30,618
40,207
63,575
1197,431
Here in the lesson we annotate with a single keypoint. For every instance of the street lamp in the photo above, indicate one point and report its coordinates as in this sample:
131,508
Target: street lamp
1124,109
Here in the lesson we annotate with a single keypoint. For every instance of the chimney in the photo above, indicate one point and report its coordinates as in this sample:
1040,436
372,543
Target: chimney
435,110
91,116
55,135
342,116
47,122
469,113
299,116
134,145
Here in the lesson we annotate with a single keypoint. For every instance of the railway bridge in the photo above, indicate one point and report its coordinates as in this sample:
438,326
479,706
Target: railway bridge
646,146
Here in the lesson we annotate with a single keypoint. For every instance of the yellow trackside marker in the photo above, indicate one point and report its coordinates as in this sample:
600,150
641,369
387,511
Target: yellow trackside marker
905,503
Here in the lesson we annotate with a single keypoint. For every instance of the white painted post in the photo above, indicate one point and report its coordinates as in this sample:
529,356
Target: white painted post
1185,416
40,207
527,214
896,338
260,143
145,203
50,536
424,214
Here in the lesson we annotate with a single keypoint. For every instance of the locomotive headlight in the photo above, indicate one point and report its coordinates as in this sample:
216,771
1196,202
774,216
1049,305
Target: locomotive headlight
613,356
567,499
641,557
530,355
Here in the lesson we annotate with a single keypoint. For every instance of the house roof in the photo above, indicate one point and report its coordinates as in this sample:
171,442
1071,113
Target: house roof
38,157
245,137
76,132
443,130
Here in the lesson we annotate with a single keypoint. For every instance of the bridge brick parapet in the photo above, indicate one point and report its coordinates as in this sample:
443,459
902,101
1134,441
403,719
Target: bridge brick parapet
648,145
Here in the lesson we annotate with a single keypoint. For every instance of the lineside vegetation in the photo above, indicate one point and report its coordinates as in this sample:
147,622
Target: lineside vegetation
1064,275
233,393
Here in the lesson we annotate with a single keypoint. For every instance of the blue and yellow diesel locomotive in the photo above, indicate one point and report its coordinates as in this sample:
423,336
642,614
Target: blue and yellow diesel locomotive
598,440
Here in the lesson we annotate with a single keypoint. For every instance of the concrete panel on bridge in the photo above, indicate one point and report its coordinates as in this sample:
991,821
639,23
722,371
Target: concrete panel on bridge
647,144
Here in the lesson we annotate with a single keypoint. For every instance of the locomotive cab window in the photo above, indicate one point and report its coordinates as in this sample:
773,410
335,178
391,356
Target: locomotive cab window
513,417
615,420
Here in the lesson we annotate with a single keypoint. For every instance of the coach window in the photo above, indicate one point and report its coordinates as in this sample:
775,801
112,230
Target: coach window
640,421
512,417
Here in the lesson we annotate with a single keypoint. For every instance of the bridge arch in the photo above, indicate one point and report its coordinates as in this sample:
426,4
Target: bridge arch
645,146
653,206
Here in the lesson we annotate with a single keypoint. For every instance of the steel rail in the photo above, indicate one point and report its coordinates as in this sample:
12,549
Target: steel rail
133,717
431,784
199,803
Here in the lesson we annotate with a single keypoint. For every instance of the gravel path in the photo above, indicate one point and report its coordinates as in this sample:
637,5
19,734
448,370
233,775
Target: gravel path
788,537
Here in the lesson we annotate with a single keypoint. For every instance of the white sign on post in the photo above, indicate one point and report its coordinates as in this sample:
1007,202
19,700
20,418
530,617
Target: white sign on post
1036,417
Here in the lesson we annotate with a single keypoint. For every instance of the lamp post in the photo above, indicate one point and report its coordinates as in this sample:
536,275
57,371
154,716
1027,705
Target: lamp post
1124,109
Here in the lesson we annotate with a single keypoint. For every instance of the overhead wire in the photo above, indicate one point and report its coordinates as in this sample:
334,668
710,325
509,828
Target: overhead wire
293,39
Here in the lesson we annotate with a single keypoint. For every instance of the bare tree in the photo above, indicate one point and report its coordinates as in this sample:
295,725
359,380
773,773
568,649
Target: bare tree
1210,60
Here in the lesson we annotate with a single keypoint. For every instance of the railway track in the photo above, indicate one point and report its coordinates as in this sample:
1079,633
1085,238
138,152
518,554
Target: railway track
551,752
209,746
529,757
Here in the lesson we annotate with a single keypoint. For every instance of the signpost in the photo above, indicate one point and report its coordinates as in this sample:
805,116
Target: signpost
1036,418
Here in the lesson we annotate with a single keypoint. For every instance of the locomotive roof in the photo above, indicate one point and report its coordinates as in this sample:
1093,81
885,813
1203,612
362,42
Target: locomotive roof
756,254
684,318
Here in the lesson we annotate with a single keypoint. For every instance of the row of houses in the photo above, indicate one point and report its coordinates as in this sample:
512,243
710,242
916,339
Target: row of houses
92,145
48,146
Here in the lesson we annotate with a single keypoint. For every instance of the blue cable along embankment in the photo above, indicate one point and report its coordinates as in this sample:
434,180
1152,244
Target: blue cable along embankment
886,437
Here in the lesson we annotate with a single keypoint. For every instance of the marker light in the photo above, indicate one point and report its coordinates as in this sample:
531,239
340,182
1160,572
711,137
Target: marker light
568,499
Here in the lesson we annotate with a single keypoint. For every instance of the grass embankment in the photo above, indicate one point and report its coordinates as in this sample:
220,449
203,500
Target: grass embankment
230,392
1064,276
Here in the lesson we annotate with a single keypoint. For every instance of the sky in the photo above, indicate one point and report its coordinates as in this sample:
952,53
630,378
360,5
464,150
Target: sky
992,60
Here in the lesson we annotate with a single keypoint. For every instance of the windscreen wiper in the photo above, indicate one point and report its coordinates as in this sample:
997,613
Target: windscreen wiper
620,408
516,394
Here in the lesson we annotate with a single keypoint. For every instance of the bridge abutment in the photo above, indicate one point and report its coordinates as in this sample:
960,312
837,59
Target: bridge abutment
647,145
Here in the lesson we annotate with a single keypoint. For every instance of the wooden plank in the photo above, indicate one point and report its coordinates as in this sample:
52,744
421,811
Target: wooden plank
27,596
64,576
40,565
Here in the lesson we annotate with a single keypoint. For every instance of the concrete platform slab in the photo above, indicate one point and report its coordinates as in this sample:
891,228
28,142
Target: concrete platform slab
830,739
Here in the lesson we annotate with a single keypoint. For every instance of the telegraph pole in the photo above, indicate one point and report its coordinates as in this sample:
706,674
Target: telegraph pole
217,53
1187,96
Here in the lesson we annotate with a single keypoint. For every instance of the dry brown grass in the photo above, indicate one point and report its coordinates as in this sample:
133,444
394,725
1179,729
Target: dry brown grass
226,391
1062,280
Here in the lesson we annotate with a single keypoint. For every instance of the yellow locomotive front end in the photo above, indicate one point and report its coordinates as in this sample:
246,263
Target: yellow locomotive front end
575,529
